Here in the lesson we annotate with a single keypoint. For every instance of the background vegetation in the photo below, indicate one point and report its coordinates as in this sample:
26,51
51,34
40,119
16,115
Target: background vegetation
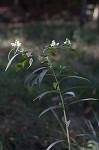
36,24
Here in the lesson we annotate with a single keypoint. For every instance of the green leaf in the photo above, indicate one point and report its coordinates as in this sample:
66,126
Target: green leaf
21,64
34,82
30,62
55,85
71,70
41,76
82,100
66,70
46,110
32,74
54,143
38,78
10,53
76,77
68,48
10,61
51,52
70,93
74,51
43,94
62,67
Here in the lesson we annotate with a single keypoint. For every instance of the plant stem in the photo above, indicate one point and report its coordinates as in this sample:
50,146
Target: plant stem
63,106
64,112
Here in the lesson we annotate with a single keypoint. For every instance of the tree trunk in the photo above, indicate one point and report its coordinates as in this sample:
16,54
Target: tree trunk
83,15
96,14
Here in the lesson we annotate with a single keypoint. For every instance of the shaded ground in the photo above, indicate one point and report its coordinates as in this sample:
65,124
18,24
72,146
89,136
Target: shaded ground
19,128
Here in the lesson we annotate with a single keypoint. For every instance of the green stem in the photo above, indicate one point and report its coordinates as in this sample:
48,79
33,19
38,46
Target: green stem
63,106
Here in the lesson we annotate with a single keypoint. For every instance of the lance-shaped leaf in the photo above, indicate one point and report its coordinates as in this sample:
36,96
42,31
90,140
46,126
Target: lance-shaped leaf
71,70
46,110
43,94
10,61
67,70
21,63
30,62
10,53
32,74
74,51
35,81
70,93
51,51
41,76
76,77
81,100
67,48
54,143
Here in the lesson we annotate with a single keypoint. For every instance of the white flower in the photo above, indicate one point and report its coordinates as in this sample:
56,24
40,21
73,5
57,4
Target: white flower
54,43
67,42
57,44
16,44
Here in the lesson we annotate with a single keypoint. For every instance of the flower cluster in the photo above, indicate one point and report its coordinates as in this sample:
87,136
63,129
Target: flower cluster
53,44
67,42
16,44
